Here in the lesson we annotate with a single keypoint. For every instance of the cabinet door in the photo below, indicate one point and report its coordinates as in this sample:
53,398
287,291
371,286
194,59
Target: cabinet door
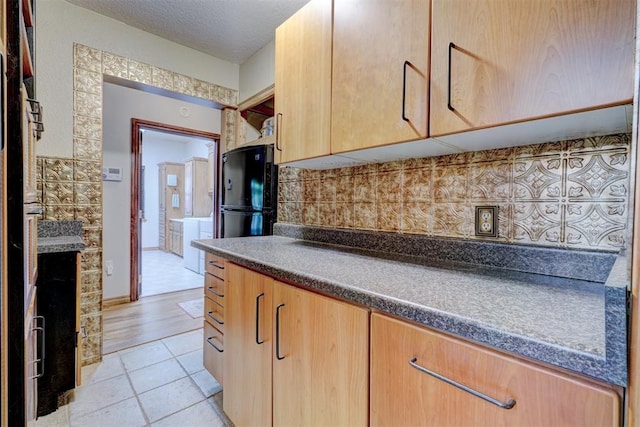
180,241
320,369
188,189
303,83
517,60
402,395
211,167
372,42
200,198
32,365
247,344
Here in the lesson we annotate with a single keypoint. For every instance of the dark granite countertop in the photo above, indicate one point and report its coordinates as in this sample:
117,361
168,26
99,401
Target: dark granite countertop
59,236
568,322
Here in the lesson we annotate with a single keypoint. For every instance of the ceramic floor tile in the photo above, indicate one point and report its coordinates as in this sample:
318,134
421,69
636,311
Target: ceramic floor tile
199,415
111,366
170,398
164,272
153,376
207,383
92,397
192,362
126,413
184,343
144,355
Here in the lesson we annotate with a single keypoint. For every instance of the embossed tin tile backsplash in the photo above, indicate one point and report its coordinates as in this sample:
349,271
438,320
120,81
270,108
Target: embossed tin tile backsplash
563,194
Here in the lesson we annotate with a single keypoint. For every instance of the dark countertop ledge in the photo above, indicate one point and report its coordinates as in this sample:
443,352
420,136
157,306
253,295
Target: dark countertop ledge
59,236
567,322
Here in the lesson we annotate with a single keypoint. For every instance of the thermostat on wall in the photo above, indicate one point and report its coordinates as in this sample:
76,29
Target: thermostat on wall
112,174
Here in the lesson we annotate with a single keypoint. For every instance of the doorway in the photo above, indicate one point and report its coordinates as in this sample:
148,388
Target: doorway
178,185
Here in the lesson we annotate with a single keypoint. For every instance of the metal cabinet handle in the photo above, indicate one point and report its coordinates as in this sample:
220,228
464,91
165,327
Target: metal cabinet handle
508,405
210,341
449,106
258,340
404,89
278,331
210,314
278,126
39,360
221,267
210,289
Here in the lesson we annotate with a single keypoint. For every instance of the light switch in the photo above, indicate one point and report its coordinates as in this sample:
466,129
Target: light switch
108,266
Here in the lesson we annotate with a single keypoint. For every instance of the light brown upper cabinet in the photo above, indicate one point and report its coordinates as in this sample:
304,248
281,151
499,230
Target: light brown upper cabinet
303,83
380,73
495,61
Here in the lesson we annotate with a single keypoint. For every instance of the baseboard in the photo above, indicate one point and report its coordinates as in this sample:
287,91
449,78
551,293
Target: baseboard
110,302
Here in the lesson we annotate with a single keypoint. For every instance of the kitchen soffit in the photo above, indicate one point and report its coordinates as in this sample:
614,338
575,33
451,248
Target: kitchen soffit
231,30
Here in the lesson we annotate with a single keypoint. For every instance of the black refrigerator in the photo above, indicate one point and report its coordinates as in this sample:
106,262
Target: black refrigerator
249,191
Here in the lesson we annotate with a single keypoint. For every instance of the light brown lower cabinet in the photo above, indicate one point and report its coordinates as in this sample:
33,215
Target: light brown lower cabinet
213,350
248,343
292,357
404,394
214,321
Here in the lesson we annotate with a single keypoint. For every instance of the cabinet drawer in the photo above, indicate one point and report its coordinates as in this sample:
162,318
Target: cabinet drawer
214,288
213,351
404,393
215,265
214,314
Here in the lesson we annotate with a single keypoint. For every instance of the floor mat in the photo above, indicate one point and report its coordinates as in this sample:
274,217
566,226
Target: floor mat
194,308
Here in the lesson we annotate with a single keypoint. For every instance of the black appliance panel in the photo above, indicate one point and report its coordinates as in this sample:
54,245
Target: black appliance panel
246,223
248,178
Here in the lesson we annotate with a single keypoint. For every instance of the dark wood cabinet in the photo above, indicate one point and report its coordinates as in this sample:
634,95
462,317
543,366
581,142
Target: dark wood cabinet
57,303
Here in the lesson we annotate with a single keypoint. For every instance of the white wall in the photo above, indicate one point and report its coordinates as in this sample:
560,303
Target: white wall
258,72
60,24
198,148
120,105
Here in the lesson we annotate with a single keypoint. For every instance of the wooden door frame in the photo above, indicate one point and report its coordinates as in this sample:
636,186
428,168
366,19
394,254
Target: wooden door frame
136,165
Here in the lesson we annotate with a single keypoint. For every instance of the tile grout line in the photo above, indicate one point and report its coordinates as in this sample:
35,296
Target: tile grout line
135,393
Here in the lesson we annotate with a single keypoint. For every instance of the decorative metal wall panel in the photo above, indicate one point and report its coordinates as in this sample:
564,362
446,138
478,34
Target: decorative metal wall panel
564,194
140,72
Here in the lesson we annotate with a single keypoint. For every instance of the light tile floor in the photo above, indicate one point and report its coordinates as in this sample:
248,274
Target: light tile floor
164,272
162,383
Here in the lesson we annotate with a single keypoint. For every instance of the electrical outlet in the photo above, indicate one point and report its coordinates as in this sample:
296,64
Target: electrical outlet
487,221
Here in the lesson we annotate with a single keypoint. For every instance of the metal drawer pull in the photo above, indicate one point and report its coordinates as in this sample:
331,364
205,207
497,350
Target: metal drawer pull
510,404
209,340
210,314
258,340
449,106
404,90
221,267
278,126
39,329
278,331
210,288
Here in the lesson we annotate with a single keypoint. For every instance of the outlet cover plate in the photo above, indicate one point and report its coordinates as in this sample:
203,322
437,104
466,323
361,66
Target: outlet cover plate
486,221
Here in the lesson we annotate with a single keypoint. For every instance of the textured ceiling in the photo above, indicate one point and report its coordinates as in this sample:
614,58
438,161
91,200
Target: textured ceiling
228,29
